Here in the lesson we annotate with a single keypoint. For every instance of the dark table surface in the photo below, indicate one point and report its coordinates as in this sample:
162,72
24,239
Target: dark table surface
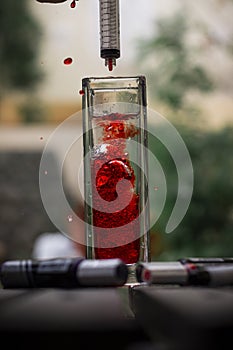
136,317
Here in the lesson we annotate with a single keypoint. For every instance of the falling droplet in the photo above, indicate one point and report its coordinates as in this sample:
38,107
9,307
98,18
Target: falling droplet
81,92
46,172
70,218
73,4
68,61
156,188
41,138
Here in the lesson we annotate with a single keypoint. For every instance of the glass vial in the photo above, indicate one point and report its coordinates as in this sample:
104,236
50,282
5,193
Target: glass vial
116,169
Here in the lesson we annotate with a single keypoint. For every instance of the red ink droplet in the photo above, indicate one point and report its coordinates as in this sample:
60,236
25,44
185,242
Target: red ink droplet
81,92
68,60
73,4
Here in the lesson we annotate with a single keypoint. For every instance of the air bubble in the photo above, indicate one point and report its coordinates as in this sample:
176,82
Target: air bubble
70,218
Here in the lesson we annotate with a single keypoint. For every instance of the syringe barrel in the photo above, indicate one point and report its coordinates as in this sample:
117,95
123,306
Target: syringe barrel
109,29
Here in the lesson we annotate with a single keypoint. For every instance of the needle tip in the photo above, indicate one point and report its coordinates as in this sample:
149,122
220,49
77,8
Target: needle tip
110,62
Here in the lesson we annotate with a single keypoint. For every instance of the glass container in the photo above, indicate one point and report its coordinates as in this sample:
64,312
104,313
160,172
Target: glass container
116,169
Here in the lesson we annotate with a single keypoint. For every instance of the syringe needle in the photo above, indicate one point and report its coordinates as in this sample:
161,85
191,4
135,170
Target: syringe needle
110,62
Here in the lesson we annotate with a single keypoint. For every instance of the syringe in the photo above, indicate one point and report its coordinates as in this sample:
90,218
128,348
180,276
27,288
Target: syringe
109,31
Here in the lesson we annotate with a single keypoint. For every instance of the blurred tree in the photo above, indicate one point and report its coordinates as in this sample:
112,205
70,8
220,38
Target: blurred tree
188,52
207,228
32,111
173,69
19,44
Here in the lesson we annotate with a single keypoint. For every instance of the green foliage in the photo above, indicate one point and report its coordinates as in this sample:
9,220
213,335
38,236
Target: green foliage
32,112
207,228
172,61
19,43
173,67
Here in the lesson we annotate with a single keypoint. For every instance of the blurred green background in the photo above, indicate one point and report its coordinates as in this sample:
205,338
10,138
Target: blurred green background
187,59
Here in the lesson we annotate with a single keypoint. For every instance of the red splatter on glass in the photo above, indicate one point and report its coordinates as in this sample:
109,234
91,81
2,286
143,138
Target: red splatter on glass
108,168
73,4
68,61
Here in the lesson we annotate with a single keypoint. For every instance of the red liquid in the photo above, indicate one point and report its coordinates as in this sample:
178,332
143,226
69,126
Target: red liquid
73,4
68,61
110,65
108,168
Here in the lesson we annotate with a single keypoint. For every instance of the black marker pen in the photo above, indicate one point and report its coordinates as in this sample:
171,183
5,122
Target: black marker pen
217,275
63,273
206,261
